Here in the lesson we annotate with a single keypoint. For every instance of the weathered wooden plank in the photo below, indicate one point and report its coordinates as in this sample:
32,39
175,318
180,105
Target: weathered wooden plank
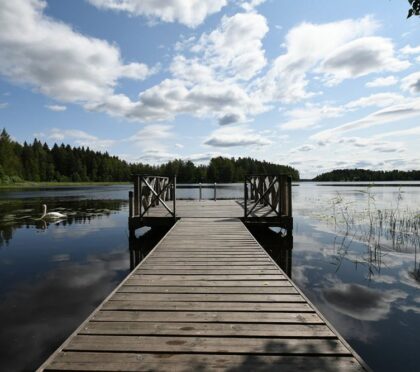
192,268
286,288
187,272
208,306
207,283
208,260
259,298
213,249
208,277
230,345
207,316
249,294
228,255
209,329
88,361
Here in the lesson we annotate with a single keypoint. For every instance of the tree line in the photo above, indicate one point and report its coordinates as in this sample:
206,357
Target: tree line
369,175
38,162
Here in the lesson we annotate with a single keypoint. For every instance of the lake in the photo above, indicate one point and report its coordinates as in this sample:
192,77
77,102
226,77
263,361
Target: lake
355,255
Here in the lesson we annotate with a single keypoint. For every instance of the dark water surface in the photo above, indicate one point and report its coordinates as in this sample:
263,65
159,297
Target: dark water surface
355,255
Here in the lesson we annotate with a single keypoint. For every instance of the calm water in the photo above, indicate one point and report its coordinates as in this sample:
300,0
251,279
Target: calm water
355,255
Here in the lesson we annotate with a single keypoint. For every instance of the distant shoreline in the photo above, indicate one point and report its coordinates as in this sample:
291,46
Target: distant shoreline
37,185
365,184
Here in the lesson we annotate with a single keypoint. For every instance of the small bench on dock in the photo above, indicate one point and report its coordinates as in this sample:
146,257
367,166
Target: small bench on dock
208,297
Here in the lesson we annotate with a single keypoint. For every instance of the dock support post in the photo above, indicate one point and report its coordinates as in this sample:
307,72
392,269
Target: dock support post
200,195
245,197
136,195
140,186
130,204
174,197
289,196
214,191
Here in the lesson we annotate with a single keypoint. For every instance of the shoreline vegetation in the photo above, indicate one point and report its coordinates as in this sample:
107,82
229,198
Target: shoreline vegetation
37,162
365,175
38,185
42,185
37,165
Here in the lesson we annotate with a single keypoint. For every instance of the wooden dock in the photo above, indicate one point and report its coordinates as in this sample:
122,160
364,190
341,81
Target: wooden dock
207,297
267,199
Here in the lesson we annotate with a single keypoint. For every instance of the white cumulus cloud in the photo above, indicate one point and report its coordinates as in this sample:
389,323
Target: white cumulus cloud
394,113
80,138
382,82
310,116
307,45
55,59
361,57
234,136
411,83
190,13
408,49
235,46
56,108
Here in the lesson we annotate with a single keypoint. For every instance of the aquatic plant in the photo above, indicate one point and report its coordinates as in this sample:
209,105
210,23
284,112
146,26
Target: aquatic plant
392,227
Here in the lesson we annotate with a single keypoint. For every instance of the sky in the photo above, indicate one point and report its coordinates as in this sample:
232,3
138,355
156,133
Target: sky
315,85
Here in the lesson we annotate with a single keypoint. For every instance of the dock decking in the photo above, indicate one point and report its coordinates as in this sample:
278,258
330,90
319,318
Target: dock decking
207,297
208,208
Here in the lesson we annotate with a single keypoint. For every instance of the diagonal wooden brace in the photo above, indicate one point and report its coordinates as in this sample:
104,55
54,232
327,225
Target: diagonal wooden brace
157,196
262,196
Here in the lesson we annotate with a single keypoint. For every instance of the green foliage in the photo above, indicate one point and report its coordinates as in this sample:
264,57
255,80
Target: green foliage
37,162
414,8
368,175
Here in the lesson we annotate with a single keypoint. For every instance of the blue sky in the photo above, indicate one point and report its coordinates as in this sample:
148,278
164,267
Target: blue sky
316,85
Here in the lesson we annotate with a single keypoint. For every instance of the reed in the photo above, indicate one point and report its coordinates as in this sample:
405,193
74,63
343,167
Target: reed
382,230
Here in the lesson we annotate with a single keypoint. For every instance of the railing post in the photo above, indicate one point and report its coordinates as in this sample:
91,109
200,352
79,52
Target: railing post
279,196
289,196
130,204
245,196
140,195
214,191
136,195
174,194
284,200
200,195
157,189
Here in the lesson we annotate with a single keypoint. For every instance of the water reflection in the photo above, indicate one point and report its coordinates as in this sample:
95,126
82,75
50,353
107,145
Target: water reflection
54,273
371,296
52,276
277,242
19,214
145,240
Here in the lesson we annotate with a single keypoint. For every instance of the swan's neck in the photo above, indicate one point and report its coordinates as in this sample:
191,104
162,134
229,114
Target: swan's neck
44,210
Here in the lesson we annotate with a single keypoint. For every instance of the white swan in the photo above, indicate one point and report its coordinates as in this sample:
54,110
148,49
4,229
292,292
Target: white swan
51,215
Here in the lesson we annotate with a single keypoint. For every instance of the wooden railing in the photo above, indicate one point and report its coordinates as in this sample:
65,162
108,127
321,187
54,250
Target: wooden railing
273,191
150,191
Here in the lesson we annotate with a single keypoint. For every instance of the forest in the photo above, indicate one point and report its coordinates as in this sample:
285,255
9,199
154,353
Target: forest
369,175
37,162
